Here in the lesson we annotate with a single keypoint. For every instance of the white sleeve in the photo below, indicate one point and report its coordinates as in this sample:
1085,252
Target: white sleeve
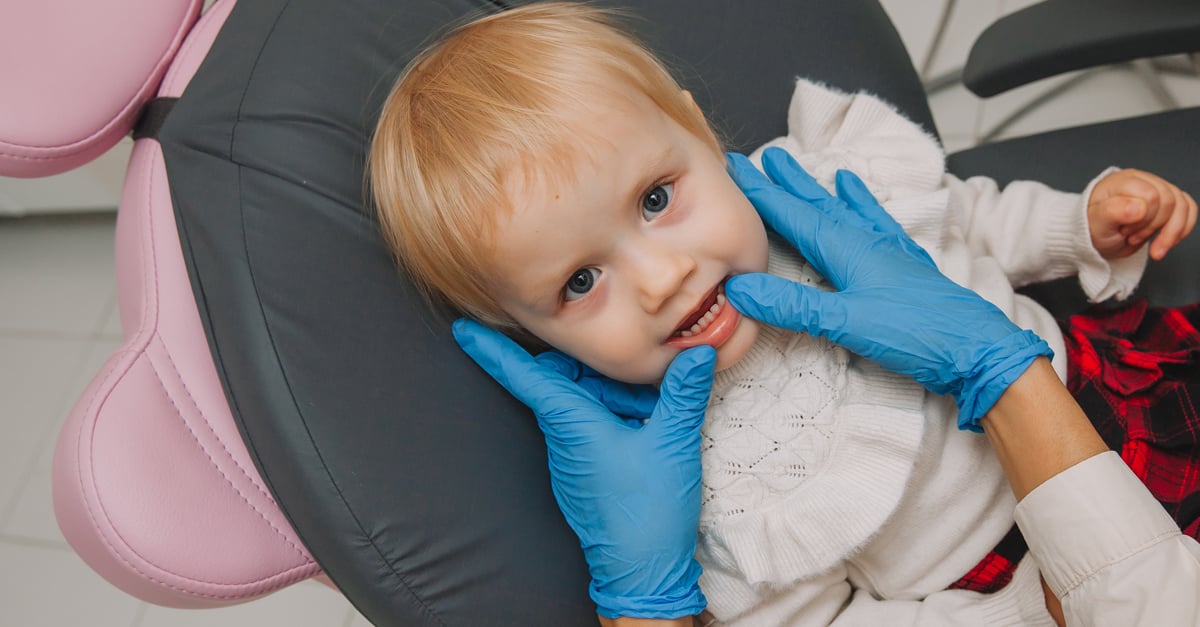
1038,234
1108,550
830,601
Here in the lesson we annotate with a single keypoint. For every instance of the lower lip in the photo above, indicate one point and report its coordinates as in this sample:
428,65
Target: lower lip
715,334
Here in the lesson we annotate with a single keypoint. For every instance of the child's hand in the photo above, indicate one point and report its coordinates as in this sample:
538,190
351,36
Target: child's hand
1128,207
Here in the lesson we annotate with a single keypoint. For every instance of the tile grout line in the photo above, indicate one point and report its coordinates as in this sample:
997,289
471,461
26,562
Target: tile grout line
37,543
99,329
140,615
42,334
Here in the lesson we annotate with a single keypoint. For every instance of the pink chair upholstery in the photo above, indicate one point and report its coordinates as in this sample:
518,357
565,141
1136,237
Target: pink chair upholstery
153,485
76,75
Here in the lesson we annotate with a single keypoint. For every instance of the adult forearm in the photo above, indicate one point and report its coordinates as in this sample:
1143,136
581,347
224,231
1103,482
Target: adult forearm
625,621
1038,430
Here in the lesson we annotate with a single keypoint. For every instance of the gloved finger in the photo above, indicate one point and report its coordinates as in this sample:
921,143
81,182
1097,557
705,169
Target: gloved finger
624,399
565,365
854,192
784,304
685,390
783,170
744,173
553,397
797,221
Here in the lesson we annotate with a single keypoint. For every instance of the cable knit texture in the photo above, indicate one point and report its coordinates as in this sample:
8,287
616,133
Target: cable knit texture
824,474
791,438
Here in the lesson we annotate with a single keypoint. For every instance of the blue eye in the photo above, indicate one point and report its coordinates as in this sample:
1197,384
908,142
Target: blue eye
656,200
580,283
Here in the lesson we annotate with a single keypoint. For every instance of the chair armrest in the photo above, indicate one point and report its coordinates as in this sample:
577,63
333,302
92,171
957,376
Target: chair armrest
1066,159
1058,36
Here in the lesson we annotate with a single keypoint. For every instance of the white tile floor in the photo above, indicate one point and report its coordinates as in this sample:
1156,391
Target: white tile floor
58,323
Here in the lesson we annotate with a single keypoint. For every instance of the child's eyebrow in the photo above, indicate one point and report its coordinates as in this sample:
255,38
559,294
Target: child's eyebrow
651,172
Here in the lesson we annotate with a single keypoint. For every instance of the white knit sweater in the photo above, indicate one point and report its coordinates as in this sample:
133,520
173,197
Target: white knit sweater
839,493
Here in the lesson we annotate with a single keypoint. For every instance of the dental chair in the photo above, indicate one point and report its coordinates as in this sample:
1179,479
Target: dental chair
284,406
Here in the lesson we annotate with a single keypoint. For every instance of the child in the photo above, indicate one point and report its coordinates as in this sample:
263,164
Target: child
543,173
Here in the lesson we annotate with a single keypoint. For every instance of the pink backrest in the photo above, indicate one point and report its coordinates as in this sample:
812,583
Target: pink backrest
153,486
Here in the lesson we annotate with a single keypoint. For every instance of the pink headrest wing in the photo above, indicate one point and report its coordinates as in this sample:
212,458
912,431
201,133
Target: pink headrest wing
75,76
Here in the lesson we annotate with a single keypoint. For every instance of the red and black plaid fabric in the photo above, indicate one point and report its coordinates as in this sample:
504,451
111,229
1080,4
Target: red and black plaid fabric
1135,371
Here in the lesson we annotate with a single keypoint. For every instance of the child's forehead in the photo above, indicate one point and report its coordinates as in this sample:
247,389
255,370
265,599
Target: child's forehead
584,142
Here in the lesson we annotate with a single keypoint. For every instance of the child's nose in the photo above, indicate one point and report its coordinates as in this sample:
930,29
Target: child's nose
662,273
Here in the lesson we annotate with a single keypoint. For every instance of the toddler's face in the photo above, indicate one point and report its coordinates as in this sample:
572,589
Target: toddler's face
622,267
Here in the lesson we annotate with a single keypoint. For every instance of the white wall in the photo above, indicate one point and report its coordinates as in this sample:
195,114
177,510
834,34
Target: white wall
93,187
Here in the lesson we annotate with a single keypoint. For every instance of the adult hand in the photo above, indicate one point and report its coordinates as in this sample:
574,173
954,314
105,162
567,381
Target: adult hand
892,305
624,467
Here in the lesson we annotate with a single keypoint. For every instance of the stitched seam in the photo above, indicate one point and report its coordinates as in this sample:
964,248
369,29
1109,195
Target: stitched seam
203,449
1145,545
290,577
137,347
127,112
192,400
151,295
271,339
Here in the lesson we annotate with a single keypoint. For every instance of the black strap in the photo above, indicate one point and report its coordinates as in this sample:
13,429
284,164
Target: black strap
152,118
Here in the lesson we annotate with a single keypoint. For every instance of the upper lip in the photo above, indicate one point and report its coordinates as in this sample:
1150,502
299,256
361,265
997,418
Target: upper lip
701,308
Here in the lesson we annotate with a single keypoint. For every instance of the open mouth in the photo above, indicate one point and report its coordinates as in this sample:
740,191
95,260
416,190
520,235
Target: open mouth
705,313
712,322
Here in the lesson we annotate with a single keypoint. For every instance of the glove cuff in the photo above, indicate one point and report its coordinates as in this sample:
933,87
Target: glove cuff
1005,362
687,601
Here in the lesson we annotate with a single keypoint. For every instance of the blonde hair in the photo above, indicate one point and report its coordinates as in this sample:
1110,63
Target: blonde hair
493,95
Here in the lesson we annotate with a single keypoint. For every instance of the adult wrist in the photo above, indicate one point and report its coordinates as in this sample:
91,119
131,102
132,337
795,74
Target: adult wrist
670,601
1038,430
1002,364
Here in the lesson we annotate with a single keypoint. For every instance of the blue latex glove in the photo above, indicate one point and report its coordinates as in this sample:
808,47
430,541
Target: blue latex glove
624,467
893,305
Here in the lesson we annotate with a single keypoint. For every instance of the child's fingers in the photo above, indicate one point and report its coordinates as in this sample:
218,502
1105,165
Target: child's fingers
1144,187
1177,227
1172,231
1192,210
1122,213
1158,214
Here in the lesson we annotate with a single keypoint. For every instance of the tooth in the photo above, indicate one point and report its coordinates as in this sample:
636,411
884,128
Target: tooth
721,297
685,333
714,308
